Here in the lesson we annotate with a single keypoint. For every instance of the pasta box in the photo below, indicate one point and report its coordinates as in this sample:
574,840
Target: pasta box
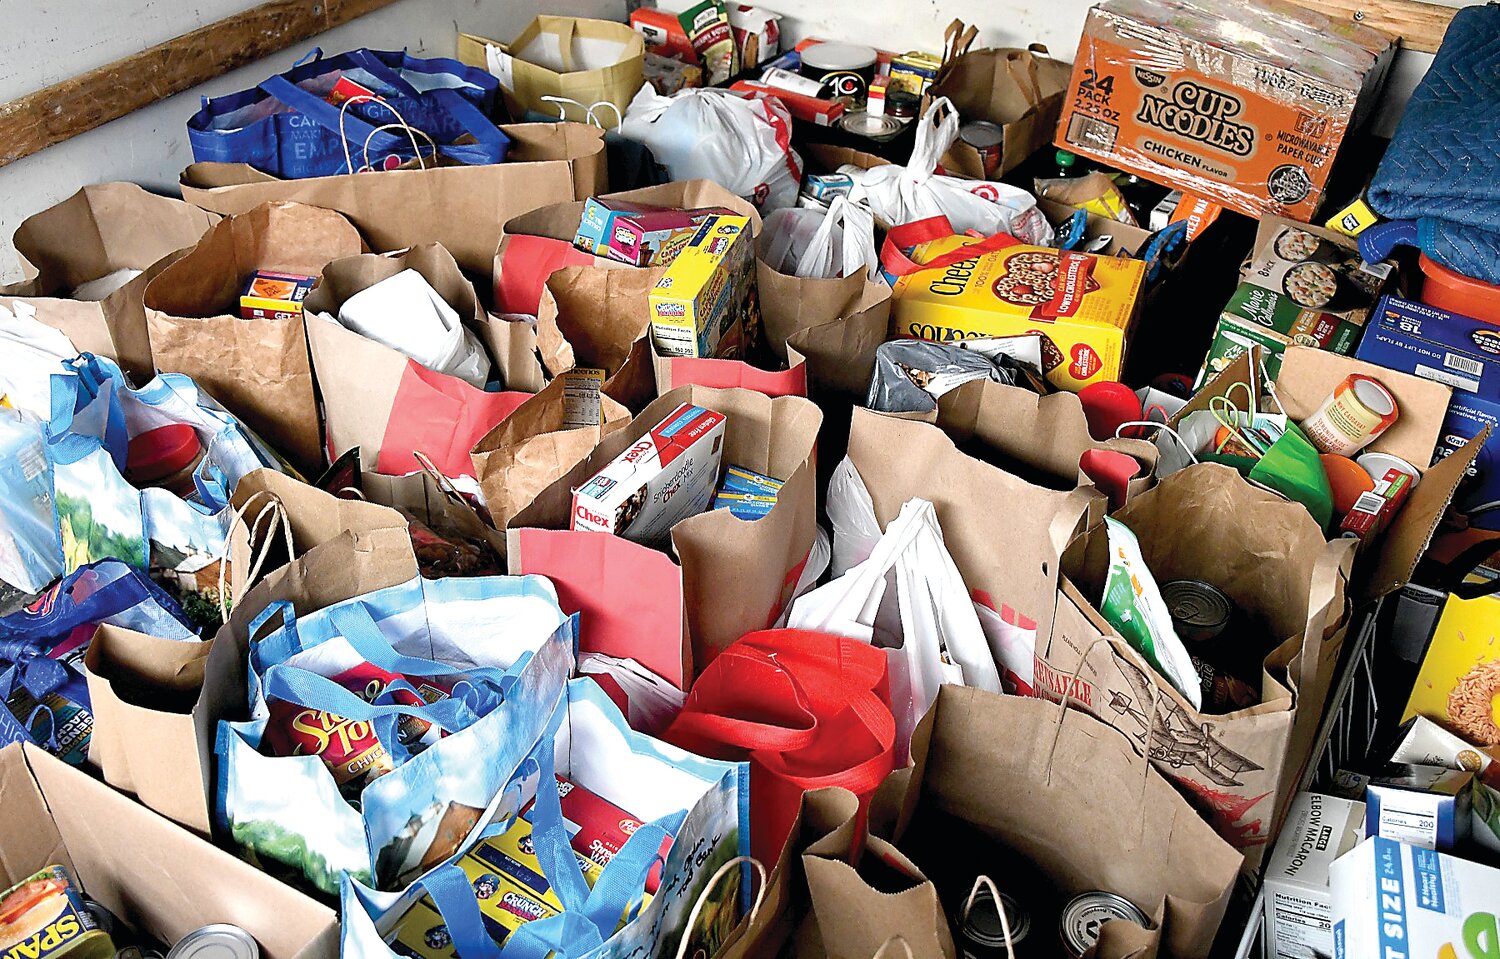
1395,900
1081,305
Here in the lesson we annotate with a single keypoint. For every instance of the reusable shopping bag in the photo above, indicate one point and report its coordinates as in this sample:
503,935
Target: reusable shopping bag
1009,787
806,709
700,804
741,143
44,695
502,643
361,110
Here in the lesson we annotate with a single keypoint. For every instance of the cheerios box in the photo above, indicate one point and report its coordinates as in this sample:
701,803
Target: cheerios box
659,480
1394,900
1082,305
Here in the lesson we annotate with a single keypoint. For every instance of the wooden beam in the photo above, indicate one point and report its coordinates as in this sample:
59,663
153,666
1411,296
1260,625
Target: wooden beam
1418,25
79,104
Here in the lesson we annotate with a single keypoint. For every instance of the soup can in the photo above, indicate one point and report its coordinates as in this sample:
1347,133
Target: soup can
1357,411
1199,610
981,933
1081,919
218,941
988,140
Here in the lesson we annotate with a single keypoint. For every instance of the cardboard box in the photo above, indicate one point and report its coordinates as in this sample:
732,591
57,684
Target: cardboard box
662,478
1477,497
1422,742
1213,108
269,295
117,849
1422,340
1426,806
1082,305
1394,900
1299,905
705,304
1454,681
757,34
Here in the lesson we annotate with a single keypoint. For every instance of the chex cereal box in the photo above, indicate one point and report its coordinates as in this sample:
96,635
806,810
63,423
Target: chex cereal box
662,478
275,296
1081,304
1395,901
705,304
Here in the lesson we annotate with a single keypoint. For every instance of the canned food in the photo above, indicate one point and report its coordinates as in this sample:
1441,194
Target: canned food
989,140
218,941
45,917
1082,918
902,105
1357,411
864,124
982,933
1199,610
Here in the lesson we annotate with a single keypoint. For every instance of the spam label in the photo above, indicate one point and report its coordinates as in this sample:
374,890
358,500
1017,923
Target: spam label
43,918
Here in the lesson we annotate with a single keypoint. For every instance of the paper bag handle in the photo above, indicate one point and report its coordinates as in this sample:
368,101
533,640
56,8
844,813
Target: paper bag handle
710,886
983,882
1028,80
901,940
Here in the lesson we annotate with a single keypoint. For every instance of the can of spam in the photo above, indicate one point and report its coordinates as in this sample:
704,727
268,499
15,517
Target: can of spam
44,917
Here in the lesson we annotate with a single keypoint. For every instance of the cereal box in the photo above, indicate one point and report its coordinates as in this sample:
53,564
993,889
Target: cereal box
275,296
1082,305
637,234
1458,684
662,478
705,303
598,829
1393,900
1248,112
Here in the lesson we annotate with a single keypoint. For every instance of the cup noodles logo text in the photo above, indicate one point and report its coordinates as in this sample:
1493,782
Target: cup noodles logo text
1201,114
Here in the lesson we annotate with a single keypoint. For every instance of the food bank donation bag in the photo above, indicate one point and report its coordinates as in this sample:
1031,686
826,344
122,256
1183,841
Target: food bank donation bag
1287,587
361,110
257,368
486,650
807,709
693,808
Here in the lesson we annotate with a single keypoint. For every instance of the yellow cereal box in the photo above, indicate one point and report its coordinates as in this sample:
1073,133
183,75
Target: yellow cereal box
1082,304
705,303
1458,685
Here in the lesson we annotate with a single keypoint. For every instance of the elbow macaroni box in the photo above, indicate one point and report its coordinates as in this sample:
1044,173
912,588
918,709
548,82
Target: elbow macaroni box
1394,901
1299,904
661,479
705,304
1082,305
1247,110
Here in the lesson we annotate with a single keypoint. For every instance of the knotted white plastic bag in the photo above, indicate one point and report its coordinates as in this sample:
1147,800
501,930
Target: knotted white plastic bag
821,244
405,313
741,143
905,194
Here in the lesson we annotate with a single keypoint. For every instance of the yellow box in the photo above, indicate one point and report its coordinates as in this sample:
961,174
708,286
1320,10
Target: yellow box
705,303
1081,304
1458,685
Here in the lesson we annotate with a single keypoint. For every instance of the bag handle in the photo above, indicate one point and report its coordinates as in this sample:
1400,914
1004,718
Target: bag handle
710,886
745,733
1028,81
301,687
90,379
336,119
895,261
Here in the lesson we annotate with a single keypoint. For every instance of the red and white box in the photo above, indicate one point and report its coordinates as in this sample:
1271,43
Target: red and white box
661,479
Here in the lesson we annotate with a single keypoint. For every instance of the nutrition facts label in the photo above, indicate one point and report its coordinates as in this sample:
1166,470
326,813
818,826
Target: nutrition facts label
1416,827
1300,928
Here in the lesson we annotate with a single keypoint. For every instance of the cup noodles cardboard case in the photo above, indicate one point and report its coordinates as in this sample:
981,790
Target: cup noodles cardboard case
1247,108
1081,304
661,479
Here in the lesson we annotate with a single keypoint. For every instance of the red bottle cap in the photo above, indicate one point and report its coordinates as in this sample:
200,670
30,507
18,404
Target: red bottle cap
157,454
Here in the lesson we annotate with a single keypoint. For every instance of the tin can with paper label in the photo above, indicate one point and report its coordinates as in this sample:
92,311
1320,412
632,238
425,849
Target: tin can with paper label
45,917
1357,411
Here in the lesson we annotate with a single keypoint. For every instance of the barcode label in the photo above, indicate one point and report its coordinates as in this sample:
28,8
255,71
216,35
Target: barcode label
1368,503
1463,364
1447,378
1088,132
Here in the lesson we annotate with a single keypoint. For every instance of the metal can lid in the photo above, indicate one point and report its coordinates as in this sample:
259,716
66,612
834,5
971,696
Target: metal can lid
982,924
866,125
981,134
1082,917
218,941
902,104
1201,607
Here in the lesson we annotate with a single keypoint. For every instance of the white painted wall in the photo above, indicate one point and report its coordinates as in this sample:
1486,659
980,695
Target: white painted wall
51,40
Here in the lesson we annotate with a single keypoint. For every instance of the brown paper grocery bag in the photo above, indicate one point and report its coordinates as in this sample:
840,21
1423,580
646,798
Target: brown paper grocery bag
1269,556
1021,91
258,369
142,691
102,228
840,354
539,443
1050,803
461,207
790,304
762,559
575,58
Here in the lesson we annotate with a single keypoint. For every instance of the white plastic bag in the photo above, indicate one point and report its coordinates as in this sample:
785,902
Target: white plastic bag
741,143
405,313
929,627
652,701
821,244
906,194
851,513
30,353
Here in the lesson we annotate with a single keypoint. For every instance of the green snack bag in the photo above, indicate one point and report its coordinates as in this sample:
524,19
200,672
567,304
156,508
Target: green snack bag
1291,467
1133,606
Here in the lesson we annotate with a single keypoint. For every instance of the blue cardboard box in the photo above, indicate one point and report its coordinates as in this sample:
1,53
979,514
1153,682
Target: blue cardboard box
1478,495
1414,338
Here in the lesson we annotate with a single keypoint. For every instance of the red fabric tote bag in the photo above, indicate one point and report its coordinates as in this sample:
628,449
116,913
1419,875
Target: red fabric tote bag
806,709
